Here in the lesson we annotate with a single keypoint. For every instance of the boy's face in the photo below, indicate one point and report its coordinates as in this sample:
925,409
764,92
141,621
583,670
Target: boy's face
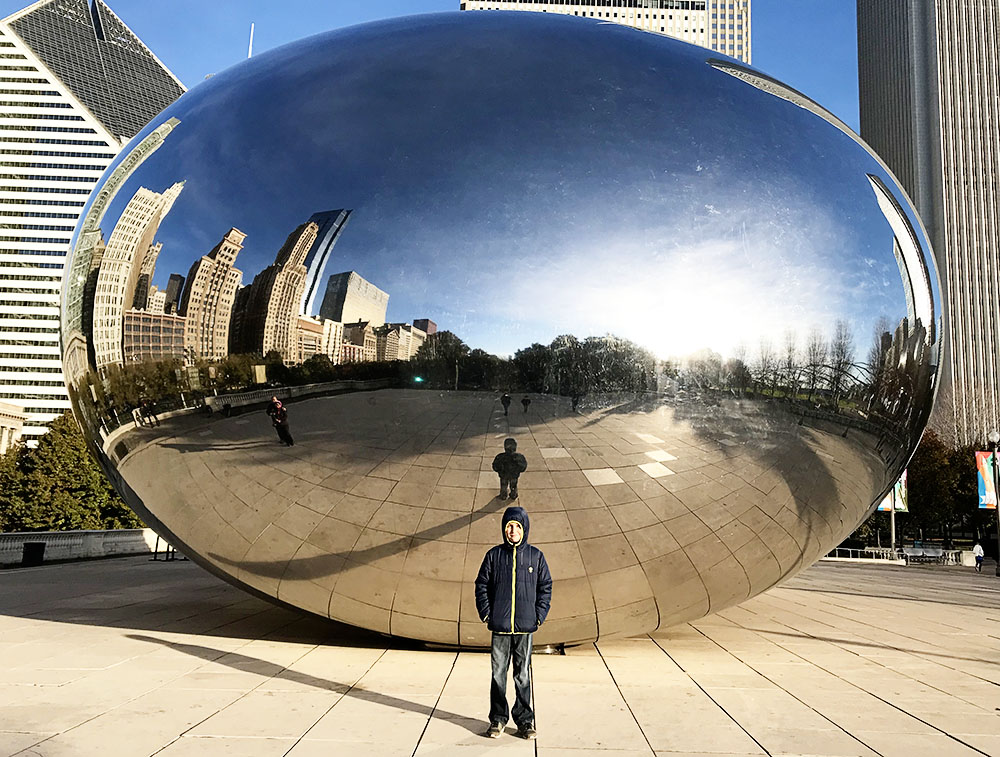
514,532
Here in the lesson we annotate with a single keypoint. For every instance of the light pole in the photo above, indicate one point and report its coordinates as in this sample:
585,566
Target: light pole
995,441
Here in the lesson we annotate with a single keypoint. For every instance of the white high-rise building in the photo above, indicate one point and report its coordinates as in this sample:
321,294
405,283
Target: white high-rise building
75,85
929,85
130,251
720,25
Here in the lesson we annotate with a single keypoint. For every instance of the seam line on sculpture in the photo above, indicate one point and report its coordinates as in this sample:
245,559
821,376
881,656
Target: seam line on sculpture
627,705
710,697
430,715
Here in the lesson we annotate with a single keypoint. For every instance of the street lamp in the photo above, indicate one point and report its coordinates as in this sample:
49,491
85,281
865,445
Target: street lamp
995,441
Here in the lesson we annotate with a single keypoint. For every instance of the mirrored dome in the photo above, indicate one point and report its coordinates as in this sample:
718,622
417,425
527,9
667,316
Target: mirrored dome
310,301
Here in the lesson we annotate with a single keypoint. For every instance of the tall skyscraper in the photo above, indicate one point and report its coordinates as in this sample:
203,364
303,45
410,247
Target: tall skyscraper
271,308
350,298
131,250
207,300
331,224
930,107
172,297
76,84
720,25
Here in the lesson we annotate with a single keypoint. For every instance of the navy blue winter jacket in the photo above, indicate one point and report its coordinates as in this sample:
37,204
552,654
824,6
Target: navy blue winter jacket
514,587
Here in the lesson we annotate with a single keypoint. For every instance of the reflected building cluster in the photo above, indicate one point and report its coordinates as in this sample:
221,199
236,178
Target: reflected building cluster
202,318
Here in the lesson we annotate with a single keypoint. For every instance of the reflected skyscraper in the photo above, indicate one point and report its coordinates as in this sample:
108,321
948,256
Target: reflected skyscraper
172,296
330,225
351,298
269,321
721,25
930,102
130,250
207,302
79,84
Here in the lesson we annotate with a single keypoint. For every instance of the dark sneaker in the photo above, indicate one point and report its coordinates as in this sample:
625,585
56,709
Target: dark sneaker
526,732
502,495
494,730
513,495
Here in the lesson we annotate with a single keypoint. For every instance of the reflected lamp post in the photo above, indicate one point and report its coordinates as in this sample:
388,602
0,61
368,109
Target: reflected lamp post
995,441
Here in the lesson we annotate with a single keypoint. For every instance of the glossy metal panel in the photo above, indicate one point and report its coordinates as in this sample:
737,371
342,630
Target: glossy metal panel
719,302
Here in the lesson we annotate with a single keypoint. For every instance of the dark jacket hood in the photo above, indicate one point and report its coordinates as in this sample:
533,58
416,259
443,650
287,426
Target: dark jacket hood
521,516
510,444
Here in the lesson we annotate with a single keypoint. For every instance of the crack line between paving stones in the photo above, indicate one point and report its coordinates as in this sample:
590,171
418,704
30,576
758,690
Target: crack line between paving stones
619,690
710,697
246,694
339,699
849,683
149,691
913,653
437,701
782,688
944,651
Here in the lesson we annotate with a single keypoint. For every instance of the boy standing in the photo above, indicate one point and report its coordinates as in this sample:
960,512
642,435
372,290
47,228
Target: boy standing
513,593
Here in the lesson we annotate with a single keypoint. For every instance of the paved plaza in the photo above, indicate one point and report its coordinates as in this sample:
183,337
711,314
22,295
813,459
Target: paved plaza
132,657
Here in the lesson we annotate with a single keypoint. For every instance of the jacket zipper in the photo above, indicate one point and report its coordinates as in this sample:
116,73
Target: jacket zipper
513,589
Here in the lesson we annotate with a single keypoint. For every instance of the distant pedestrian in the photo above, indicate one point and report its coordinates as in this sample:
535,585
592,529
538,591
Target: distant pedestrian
978,553
148,410
513,595
279,419
509,465
525,401
575,400
505,401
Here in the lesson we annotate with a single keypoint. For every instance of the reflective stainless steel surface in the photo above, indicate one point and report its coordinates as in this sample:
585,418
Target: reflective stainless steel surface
721,306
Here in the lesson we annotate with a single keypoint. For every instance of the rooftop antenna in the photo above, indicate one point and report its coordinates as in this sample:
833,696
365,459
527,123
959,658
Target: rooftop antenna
250,50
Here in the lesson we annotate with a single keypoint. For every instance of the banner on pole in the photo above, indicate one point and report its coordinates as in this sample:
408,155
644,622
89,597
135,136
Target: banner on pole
984,472
896,498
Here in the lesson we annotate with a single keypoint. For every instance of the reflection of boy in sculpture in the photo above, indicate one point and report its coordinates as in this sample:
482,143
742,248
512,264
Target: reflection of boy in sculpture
509,465
513,593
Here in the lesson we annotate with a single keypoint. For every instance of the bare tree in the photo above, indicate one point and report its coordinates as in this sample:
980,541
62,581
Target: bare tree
816,353
841,358
790,363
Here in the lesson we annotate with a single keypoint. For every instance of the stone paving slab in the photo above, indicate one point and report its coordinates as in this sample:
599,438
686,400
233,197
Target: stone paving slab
133,658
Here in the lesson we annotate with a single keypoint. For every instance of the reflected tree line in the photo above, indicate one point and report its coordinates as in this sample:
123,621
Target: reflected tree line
819,375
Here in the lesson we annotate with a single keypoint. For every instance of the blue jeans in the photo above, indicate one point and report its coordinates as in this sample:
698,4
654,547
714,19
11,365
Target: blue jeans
504,647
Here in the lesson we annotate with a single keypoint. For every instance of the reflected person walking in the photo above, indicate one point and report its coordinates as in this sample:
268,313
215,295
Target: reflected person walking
279,419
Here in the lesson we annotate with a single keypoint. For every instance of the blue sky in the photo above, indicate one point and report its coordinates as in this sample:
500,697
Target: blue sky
809,44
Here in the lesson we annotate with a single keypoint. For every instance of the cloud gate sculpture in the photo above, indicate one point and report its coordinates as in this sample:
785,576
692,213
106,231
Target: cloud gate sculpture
703,308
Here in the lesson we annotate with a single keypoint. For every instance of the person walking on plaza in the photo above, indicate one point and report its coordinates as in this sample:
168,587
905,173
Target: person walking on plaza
509,465
525,402
978,553
513,594
279,419
505,401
